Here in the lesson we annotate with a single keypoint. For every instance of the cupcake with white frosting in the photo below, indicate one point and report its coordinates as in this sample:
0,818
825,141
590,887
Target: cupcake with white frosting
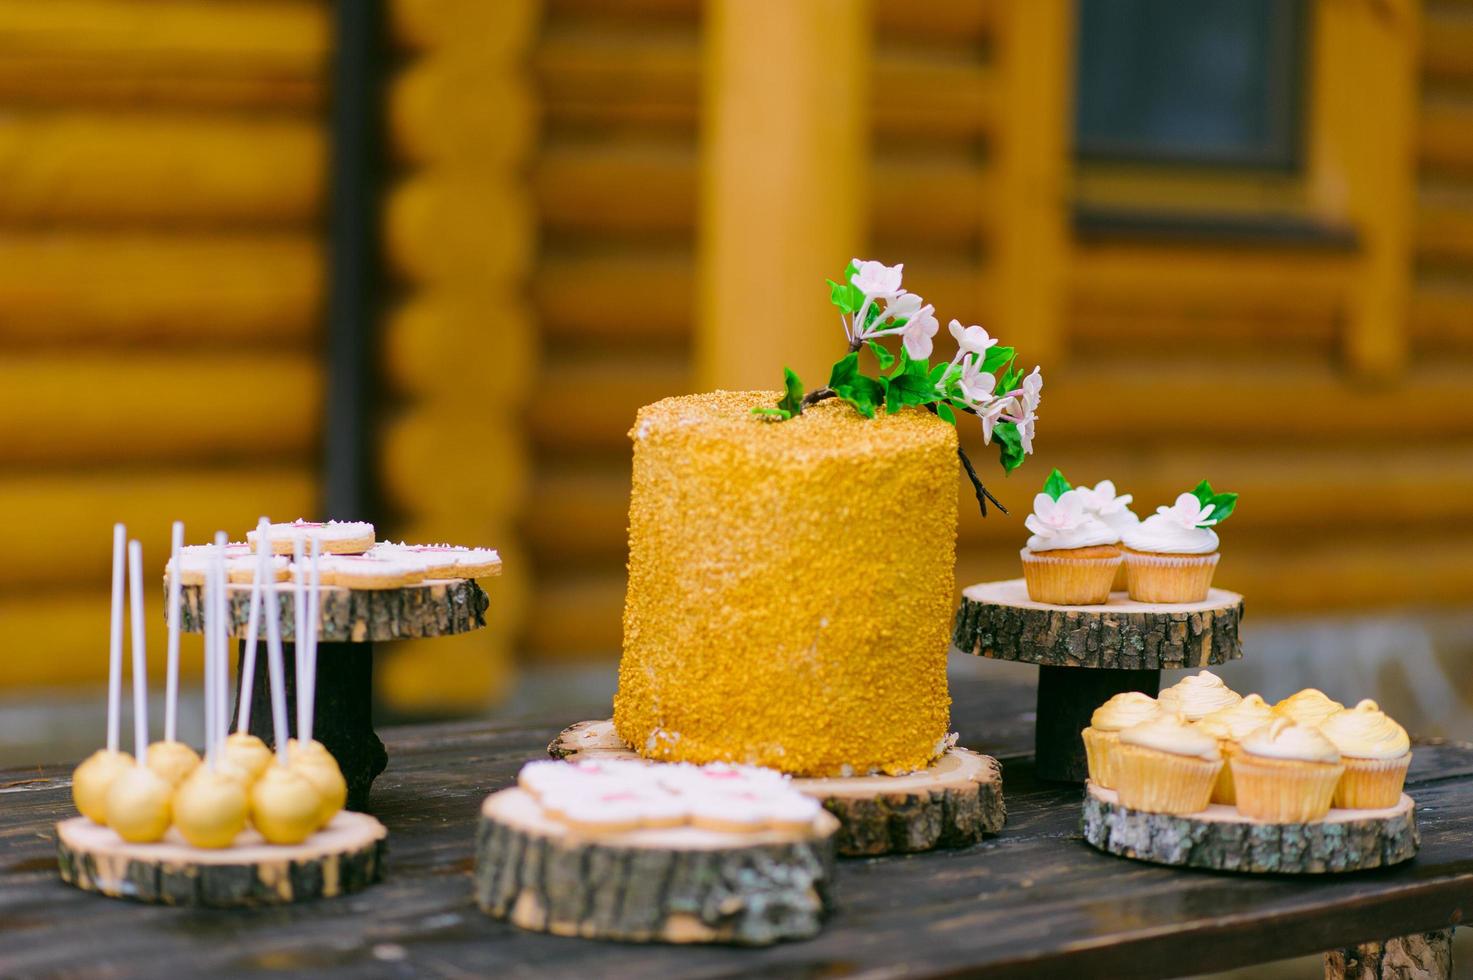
1285,773
1171,555
1072,555
1198,695
1229,726
1102,737
1310,706
1376,752
1112,509
1165,765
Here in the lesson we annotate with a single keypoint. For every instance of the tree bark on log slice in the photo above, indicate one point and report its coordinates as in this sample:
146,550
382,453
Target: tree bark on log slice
953,803
1221,839
345,856
998,620
1420,956
671,885
443,607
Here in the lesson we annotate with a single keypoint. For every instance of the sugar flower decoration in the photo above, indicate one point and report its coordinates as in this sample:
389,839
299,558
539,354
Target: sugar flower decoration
876,278
1188,512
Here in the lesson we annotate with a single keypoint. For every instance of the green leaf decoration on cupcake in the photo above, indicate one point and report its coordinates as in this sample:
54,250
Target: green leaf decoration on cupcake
1056,486
1222,504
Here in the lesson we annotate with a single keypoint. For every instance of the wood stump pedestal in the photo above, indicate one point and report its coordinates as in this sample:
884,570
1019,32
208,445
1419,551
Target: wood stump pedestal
1088,654
953,803
345,856
350,622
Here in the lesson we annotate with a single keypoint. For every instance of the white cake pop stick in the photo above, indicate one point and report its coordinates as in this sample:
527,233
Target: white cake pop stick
222,644
171,690
273,663
253,633
209,615
299,616
304,731
115,641
140,655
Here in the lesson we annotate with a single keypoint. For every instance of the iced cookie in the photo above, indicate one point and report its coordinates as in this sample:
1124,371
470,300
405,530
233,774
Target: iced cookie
337,537
443,560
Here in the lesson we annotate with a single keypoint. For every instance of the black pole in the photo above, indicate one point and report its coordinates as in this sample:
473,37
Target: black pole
353,224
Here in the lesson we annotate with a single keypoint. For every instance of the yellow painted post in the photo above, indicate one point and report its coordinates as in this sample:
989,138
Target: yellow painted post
1363,155
782,202
1030,226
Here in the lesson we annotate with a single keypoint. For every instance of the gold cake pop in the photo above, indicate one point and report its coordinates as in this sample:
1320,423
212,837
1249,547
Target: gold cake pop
247,752
285,807
175,761
139,805
321,770
210,808
92,779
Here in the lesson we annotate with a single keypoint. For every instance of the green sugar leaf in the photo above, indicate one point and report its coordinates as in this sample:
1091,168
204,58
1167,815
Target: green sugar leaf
996,357
845,295
792,401
1055,485
772,413
944,410
1222,504
1009,446
881,354
845,369
864,393
850,270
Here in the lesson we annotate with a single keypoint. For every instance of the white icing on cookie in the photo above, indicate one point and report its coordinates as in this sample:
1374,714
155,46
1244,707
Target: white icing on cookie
338,537
362,571
443,560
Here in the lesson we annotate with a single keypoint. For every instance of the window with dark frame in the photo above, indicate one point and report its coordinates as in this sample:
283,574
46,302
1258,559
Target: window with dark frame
1206,82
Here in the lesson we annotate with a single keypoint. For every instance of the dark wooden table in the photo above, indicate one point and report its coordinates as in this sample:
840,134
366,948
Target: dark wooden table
1035,901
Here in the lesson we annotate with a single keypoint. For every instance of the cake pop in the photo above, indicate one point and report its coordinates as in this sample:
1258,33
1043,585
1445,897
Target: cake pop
175,761
210,809
247,753
285,807
91,779
306,755
138,801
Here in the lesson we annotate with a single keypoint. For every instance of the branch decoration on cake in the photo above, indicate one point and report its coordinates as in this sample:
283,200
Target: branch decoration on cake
982,379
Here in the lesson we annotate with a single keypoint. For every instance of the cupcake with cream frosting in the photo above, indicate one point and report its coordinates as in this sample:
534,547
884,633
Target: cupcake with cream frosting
1229,725
1376,752
1310,706
1171,555
1164,765
1072,555
1102,737
1285,773
1198,695
1114,511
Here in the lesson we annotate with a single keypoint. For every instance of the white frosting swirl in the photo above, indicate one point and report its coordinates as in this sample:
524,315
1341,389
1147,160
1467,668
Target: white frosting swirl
1112,510
1065,523
1283,739
1198,695
1174,530
1366,732
1169,732
1124,711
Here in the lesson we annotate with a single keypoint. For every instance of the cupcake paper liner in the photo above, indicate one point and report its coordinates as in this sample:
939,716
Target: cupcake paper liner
1371,784
1158,782
1283,790
1068,581
1099,750
1151,577
1223,790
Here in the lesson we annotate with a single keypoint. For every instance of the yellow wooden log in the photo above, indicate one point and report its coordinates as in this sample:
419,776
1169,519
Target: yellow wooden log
949,22
454,457
935,96
570,293
577,617
1445,134
580,514
1442,315
452,228
596,402
435,347
499,31
61,539
99,167
1152,328
129,287
93,408
637,188
785,167
1447,44
449,675
1445,225
1035,54
59,639
459,110
1278,283
1362,163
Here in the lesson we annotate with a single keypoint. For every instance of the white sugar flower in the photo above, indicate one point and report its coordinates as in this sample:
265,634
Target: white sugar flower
876,278
975,383
970,340
1025,431
1032,391
1101,498
918,331
1051,516
901,306
1188,511
990,413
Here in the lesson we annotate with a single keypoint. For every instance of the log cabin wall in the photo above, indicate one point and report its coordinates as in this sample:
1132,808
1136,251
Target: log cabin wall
161,282
1303,339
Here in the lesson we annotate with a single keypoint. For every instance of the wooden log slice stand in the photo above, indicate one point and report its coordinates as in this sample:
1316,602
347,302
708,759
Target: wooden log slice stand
951,804
345,856
352,621
1221,839
672,885
1088,654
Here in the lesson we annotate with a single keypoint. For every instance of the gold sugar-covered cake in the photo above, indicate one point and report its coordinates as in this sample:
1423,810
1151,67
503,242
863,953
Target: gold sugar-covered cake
790,586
